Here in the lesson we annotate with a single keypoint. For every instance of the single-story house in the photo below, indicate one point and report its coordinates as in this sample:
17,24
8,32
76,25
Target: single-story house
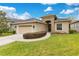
75,25
49,23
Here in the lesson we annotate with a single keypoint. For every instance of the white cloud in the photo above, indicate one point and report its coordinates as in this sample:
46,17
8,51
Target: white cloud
77,17
48,9
69,4
23,16
76,9
74,4
11,13
62,11
48,3
68,11
7,9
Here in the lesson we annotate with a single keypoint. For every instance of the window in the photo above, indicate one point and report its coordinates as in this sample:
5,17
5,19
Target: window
59,26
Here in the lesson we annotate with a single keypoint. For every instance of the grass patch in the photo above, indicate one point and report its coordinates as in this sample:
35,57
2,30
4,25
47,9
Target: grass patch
5,34
56,45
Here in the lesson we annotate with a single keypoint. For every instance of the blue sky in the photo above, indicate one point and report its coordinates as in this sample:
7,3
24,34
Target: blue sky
36,10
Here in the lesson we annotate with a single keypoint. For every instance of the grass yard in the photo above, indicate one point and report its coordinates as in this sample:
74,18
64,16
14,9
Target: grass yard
56,45
6,34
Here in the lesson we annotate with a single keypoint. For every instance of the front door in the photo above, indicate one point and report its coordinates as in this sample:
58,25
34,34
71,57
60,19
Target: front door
49,25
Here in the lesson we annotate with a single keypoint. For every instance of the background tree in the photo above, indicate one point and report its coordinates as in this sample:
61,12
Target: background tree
3,23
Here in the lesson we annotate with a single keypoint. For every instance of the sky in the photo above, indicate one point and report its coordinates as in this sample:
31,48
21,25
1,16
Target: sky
37,10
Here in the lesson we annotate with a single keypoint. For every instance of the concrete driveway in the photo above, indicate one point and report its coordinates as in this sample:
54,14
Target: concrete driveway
19,37
10,39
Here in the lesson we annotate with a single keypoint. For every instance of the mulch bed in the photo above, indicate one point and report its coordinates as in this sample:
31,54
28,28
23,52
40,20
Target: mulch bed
34,35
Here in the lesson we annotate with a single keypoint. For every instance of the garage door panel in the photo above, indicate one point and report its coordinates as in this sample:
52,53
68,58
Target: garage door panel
23,29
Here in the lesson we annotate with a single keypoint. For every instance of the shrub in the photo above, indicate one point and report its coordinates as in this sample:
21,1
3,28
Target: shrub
72,31
13,32
34,35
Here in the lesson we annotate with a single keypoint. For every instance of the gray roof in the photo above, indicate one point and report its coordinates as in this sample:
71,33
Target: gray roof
21,20
62,19
28,21
75,21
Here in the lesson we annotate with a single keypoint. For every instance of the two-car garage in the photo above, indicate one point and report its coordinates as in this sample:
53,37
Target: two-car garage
25,29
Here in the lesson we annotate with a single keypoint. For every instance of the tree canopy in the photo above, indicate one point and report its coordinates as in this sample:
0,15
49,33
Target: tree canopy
3,22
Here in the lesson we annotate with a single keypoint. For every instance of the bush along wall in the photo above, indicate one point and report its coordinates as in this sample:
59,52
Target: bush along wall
72,31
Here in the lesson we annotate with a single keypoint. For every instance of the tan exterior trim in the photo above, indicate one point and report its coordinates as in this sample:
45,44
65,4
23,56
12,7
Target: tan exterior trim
28,23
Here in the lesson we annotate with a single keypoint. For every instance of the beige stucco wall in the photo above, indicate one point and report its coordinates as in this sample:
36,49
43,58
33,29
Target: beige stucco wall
38,27
52,19
65,27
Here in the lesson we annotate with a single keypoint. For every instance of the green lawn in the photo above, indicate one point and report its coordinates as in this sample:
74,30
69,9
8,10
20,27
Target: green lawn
56,45
6,34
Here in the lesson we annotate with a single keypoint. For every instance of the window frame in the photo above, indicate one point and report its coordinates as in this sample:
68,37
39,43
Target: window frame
59,26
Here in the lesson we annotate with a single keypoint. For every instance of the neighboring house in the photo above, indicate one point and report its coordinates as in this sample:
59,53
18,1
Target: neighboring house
75,25
49,23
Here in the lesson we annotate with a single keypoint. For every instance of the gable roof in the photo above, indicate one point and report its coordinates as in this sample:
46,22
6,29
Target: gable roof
32,20
49,16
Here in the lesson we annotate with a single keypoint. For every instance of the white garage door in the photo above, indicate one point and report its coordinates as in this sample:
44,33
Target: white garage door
25,29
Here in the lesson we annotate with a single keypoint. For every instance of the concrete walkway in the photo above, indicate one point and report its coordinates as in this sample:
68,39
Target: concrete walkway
19,37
